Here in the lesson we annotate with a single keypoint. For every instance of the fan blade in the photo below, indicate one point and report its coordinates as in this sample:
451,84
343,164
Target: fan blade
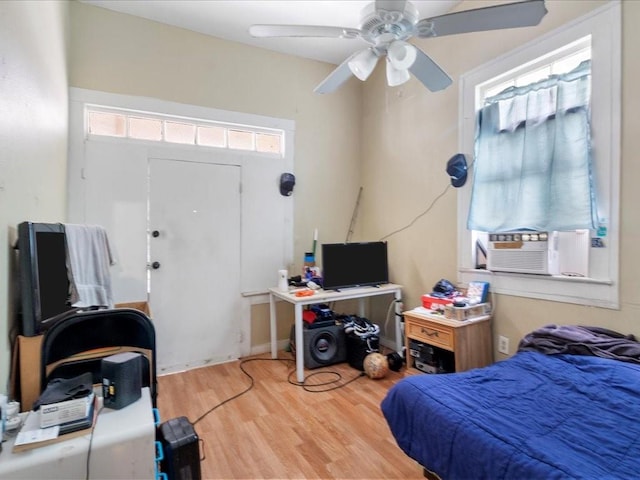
511,15
265,31
429,73
336,78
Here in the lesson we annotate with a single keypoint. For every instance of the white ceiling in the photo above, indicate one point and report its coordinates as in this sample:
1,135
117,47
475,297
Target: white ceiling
230,19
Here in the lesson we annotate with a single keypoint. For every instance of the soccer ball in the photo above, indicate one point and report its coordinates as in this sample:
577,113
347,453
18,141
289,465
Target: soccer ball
376,365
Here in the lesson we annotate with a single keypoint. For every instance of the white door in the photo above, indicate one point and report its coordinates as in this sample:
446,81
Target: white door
194,255
196,316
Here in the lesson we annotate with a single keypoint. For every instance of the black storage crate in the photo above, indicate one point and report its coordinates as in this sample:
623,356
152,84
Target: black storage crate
358,347
181,450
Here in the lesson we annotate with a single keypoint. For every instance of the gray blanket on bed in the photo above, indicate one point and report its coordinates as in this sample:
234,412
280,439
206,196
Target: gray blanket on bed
579,340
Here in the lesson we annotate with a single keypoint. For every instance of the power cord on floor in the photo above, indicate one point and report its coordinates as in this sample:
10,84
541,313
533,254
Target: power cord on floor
302,384
251,384
307,387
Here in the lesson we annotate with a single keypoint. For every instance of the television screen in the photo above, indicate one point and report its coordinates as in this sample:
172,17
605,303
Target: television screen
354,264
43,275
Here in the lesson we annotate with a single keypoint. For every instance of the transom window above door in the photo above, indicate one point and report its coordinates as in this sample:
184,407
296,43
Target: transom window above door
121,123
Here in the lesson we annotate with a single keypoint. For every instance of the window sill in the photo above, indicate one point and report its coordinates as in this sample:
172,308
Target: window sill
579,290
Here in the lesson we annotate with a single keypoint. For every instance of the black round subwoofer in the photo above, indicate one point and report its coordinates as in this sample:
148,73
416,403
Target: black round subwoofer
323,346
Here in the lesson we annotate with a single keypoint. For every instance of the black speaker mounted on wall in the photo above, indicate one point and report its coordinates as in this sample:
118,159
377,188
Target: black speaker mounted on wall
287,182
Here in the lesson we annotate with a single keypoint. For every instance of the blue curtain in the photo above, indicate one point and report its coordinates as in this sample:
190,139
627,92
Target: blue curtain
533,157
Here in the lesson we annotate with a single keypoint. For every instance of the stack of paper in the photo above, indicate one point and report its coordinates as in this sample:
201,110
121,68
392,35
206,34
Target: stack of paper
33,434
68,413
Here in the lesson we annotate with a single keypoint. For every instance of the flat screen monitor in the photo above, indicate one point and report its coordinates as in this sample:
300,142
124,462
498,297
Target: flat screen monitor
44,284
354,264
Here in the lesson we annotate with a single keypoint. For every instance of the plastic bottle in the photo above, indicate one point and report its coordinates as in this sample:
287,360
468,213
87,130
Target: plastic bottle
309,263
3,413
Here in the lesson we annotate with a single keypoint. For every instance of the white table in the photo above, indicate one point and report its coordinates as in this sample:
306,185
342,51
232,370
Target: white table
326,296
123,447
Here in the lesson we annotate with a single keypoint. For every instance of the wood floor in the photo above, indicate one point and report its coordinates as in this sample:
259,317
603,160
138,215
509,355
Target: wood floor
280,430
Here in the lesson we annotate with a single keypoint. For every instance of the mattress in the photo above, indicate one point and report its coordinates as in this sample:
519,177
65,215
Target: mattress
531,416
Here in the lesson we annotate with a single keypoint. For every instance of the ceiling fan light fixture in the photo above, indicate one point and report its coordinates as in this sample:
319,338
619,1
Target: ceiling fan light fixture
402,55
396,76
363,63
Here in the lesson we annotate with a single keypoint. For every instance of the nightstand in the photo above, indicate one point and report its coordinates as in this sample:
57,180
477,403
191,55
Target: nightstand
468,341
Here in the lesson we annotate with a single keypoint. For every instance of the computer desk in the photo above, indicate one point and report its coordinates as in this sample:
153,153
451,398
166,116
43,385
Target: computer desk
123,447
326,296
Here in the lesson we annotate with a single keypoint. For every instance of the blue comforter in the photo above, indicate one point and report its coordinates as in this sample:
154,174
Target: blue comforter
532,416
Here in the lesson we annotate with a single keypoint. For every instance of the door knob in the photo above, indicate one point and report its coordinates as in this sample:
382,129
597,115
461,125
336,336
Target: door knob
155,234
155,265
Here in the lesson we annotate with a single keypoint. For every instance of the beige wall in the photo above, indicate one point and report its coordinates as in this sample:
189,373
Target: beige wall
123,54
409,134
33,135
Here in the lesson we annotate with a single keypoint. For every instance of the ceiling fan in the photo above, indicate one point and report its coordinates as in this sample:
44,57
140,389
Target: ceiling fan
387,25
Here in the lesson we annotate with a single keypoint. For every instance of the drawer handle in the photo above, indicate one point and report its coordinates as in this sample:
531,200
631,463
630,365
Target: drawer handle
429,333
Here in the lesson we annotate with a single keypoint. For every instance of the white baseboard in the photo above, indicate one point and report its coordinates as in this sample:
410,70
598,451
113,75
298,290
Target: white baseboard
266,347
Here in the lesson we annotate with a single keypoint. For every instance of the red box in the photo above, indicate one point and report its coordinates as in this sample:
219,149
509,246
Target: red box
435,303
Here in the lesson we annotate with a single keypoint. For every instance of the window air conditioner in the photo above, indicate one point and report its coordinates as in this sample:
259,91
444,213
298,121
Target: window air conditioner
523,252
544,253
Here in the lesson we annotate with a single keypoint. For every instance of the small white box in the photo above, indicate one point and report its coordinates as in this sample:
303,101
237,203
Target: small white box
63,412
465,313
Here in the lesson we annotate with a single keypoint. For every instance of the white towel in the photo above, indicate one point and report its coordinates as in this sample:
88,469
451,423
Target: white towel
90,258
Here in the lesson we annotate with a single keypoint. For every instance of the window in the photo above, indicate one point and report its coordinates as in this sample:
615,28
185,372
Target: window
112,122
241,139
555,52
109,124
178,132
212,136
145,129
533,157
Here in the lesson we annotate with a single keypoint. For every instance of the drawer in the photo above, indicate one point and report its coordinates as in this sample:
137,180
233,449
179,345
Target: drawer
431,333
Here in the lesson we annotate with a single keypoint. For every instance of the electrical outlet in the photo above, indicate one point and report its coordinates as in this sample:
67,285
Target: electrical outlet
503,344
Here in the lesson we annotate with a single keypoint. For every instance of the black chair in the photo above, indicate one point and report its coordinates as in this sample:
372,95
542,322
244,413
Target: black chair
78,344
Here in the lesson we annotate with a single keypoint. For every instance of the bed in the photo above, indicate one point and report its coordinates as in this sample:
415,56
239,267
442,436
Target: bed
566,405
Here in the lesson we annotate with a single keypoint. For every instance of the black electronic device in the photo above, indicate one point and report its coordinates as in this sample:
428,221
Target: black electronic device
431,359
181,453
320,324
361,338
354,264
359,347
322,346
44,282
121,379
